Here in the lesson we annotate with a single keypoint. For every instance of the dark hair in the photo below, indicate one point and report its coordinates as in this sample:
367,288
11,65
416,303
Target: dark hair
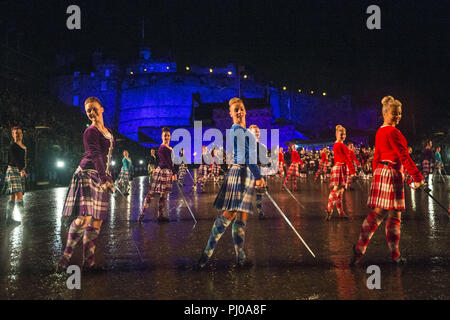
93,99
165,129
15,128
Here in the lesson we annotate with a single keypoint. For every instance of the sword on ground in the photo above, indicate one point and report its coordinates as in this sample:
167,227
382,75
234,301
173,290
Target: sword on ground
186,203
288,222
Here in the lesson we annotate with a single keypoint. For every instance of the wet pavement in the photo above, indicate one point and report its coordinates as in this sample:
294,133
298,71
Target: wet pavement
154,261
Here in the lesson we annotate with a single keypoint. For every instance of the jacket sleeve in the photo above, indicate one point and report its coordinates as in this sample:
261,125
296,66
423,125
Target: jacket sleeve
398,142
348,159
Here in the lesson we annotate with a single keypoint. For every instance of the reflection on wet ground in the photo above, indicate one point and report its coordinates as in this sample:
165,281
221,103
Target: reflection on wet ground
153,261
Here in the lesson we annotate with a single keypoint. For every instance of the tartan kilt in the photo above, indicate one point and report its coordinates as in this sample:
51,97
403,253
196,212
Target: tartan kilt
236,192
85,196
202,171
293,170
323,166
426,167
215,170
281,168
124,175
387,191
161,181
14,181
338,175
182,170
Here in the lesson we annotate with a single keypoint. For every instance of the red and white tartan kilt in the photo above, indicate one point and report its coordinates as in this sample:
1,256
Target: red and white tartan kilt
293,170
281,168
323,166
387,191
161,181
338,175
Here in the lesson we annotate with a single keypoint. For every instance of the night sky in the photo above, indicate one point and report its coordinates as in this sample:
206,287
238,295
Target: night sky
313,45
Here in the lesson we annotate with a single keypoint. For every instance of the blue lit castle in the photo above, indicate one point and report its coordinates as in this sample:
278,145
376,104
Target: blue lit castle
145,95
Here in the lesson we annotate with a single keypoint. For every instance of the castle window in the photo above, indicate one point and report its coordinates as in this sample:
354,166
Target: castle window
107,73
92,74
76,74
76,84
76,100
104,86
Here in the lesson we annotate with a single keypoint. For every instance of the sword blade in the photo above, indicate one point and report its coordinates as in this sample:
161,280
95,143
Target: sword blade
186,203
288,222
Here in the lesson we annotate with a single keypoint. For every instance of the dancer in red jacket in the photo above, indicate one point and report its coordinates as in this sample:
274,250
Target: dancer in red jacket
387,193
355,163
342,161
293,172
322,171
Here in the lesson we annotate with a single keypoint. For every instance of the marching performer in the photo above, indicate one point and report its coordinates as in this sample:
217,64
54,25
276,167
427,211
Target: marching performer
342,160
322,171
293,172
124,176
387,190
15,176
162,178
88,196
236,193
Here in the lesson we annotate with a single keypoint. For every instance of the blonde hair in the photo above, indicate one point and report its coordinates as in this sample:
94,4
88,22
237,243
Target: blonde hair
235,100
93,99
389,102
340,128
253,126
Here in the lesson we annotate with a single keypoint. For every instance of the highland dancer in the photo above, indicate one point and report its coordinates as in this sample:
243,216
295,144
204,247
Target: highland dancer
202,172
427,160
293,172
338,180
281,163
323,164
439,165
15,176
124,176
88,197
152,164
260,148
236,193
355,163
215,166
387,190
182,169
162,179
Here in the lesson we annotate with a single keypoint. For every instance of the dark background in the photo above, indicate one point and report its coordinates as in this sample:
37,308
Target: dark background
313,45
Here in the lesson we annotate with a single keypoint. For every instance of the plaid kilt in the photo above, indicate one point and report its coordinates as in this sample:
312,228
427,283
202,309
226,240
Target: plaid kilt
202,171
85,196
338,175
124,175
293,170
14,181
161,181
323,166
215,169
182,170
426,167
236,192
387,191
